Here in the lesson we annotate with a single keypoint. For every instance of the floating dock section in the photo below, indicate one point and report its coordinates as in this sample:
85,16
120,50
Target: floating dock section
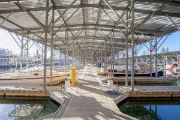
142,80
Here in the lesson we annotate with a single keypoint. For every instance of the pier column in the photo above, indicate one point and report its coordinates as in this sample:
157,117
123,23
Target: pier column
27,50
66,51
132,44
113,51
126,77
52,48
22,47
65,59
156,57
105,54
165,63
45,46
150,60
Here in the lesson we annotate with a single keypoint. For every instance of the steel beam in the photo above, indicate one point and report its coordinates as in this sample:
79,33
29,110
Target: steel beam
52,46
45,44
148,17
178,27
127,47
122,20
30,14
15,40
98,38
156,75
85,14
160,13
115,23
54,7
150,59
101,26
11,22
167,2
132,34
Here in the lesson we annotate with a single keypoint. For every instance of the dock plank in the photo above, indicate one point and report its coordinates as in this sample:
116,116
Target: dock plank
90,102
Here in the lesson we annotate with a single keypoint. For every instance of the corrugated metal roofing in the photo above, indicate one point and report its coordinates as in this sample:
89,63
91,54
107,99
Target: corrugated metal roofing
90,22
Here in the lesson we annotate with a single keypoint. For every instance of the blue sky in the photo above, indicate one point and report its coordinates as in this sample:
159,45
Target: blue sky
172,43
6,41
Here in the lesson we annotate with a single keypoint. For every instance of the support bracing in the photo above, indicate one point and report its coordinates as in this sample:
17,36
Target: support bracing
45,44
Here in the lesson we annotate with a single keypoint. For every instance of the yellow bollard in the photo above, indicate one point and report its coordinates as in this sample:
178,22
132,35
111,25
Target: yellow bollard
73,77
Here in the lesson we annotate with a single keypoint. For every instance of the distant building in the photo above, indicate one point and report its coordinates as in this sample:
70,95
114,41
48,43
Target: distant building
5,52
6,60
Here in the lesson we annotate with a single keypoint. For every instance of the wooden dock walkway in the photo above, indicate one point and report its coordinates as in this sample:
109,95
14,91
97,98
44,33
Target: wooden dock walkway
90,101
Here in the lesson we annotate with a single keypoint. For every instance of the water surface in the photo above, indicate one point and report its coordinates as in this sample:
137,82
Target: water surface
26,109
152,108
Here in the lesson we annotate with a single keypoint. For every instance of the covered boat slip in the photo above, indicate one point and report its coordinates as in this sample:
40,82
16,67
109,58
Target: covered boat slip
91,30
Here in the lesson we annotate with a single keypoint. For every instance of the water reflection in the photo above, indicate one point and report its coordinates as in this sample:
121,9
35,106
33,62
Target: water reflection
26,110
152,109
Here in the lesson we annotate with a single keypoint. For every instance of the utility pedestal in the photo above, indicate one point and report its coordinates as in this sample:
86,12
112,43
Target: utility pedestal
73,80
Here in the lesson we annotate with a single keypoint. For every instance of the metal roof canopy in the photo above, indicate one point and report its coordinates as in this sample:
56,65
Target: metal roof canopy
90,25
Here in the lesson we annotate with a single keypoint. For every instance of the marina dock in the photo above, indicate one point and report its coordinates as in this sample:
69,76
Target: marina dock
89,60
91,99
